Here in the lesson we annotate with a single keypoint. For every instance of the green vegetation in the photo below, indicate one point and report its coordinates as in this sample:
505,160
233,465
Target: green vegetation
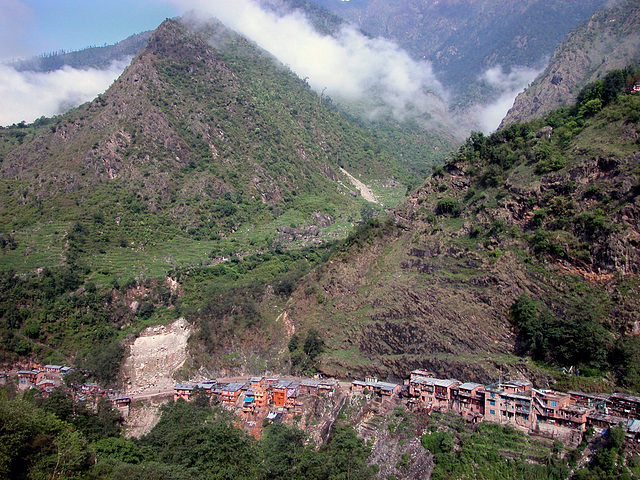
609,463
304,354
566,222
190,441
579,340
244,148
490,451
544,208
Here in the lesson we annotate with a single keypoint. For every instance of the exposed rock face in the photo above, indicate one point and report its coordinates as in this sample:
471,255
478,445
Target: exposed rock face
609,40
155,356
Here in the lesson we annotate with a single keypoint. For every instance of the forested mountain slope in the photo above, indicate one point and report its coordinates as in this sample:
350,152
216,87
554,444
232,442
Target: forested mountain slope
540,218
197,155
608,40
185,132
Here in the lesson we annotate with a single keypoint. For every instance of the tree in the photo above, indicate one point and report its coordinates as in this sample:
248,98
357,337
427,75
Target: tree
36,444
448,206
347,455
367,212
293,343
313,345
282,448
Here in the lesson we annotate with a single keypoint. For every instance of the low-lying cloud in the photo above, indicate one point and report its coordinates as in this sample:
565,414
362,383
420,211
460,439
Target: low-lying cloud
509,85
30,95
348,66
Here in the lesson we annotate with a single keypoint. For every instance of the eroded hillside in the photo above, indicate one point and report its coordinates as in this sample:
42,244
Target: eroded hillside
545,213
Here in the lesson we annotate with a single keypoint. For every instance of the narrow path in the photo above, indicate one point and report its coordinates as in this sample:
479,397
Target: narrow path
150,395
365,191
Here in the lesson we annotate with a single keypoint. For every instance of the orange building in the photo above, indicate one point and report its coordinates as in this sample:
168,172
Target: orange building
557,408
280,394
509,402
432,392
182,391
468,398
261,397
230,395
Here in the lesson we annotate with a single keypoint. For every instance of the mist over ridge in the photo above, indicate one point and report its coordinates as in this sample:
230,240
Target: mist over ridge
30,95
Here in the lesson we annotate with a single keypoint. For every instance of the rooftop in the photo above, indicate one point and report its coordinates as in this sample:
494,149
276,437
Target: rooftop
438,382
233,387
470,386
517,383
592,396
624,396
206,386
183,386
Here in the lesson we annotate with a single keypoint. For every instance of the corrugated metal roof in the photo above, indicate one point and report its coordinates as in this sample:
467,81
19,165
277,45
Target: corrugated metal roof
470,386
518,383
183,386
515,395
233,387
624,396
206,386
310,383
635,426
439,382
593,396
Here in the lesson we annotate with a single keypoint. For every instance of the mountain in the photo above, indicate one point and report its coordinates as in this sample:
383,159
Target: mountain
464,38
91,57
610,39
186,130
205,151
525,243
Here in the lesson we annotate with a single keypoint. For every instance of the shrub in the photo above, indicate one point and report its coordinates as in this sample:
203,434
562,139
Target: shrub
550,164
448,206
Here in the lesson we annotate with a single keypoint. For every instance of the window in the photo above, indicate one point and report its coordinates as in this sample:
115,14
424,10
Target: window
492,412
493,394
492,403
553,404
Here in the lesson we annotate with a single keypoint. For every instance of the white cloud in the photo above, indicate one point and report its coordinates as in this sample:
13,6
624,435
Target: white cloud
29,95
509,85
349,66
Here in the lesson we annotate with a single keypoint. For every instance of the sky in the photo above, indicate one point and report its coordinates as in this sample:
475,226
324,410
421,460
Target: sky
32,27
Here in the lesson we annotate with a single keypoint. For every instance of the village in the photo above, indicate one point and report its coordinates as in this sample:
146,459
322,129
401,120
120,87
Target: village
259,399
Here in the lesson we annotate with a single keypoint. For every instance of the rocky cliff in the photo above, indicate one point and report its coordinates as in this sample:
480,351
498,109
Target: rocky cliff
610,39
